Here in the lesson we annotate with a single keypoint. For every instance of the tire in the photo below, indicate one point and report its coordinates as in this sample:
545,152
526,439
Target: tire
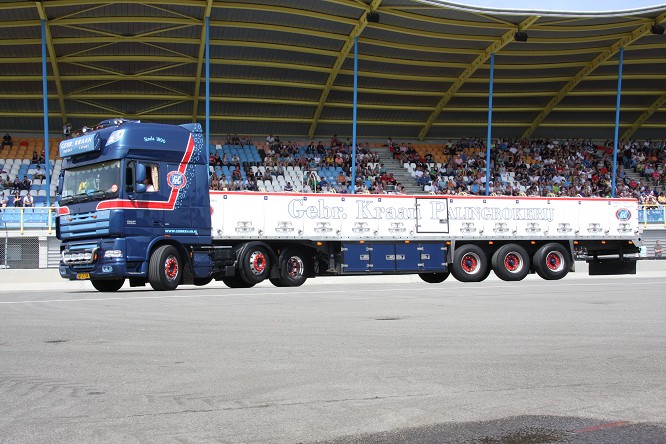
470,264
511,262
552,262
236,282
434,278
165,268
107,285
294,266
276,282
256,264
199,282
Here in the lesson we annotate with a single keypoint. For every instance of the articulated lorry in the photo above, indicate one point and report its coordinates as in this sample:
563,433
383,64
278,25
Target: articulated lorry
136,206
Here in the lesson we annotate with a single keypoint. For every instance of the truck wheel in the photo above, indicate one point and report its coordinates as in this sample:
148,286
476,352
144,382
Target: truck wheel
199,282
107,285
470,264
511,262
165,269
552,262
276,282
256,265
434,278
236,282
293,268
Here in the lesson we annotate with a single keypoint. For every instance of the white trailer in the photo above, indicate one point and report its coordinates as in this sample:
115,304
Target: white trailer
288,237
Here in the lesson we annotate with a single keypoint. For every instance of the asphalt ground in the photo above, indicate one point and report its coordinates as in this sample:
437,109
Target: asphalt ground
348,360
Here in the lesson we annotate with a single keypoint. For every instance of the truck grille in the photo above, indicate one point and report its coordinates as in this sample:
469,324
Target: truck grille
91,224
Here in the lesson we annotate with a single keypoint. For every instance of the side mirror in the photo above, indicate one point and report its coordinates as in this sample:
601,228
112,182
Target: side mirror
61,180
140,173
140,177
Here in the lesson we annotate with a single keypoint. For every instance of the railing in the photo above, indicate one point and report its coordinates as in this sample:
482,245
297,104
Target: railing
652,214
12,218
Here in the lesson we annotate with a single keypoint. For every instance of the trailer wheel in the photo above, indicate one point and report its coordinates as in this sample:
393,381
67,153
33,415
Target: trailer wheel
511,262
470,264
434,278
236,282
552,262
276,282
256,264
199,282
165,268
107,285
293,268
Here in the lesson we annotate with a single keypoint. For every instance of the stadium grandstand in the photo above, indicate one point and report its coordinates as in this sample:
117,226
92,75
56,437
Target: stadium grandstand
278,109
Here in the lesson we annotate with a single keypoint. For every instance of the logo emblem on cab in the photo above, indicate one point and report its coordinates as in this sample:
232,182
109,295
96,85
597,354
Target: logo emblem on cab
176,180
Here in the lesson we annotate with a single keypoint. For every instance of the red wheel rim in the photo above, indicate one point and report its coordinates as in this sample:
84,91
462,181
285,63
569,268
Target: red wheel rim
513,262
294,267
257,262
469,263
554,261
171,268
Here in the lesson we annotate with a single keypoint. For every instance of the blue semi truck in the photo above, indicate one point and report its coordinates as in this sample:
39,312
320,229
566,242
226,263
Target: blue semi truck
135,206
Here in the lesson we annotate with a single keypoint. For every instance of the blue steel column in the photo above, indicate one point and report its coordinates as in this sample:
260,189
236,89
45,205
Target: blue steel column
353,172
490,121
617,121
207,94
45,93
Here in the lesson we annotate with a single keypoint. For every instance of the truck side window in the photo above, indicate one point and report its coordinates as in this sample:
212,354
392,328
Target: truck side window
129,177
152,178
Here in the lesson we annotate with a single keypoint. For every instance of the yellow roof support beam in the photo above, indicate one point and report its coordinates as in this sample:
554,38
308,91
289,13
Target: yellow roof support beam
498,44
147,2
442,21
200,60
337,66
587,70
286,10
54,61
656,106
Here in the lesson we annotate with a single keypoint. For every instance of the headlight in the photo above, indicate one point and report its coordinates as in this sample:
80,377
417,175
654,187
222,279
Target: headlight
113,253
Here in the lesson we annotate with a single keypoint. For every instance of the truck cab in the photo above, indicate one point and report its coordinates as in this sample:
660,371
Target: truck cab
129,189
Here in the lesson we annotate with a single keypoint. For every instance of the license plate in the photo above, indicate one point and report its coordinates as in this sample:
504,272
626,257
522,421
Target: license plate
83,276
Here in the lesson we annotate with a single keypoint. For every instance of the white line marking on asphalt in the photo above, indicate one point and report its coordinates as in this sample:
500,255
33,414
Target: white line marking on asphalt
292,291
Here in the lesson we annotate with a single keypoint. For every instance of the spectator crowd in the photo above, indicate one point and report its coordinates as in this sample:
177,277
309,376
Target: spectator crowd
520,167
546,167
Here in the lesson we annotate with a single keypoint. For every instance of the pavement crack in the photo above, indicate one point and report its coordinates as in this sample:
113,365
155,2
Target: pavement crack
273,404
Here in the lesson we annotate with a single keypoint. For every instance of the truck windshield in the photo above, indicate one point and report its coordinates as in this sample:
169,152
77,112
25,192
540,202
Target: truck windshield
91,182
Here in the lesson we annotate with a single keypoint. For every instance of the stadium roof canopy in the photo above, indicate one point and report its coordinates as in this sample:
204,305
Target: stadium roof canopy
286,67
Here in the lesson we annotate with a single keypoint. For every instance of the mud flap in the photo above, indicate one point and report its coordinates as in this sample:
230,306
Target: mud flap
611,266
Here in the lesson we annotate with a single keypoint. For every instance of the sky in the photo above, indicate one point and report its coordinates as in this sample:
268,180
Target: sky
565,5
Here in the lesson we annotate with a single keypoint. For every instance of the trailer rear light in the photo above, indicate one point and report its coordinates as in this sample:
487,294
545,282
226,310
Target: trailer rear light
533,242
113,253
491,242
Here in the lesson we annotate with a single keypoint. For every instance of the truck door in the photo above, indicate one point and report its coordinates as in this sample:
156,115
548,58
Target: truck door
152,197
144,218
